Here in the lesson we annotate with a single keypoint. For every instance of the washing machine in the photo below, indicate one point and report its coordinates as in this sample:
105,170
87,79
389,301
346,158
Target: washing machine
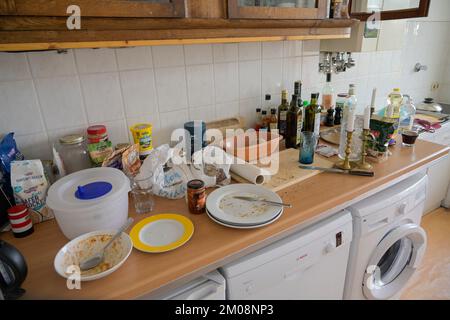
388,243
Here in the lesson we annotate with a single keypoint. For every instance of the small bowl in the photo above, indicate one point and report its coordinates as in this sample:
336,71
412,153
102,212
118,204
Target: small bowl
86,246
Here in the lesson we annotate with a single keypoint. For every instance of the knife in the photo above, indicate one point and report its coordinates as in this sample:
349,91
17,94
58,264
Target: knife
263,201
361,173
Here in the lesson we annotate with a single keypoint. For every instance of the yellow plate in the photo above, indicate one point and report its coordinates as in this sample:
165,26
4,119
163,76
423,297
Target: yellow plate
161,233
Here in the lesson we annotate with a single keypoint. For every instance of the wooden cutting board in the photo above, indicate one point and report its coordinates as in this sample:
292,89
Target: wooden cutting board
289,172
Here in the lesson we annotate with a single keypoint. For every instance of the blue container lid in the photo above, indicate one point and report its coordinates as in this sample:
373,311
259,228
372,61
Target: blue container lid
93,190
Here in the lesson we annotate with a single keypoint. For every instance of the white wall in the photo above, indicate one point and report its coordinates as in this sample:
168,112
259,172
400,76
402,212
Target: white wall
44,95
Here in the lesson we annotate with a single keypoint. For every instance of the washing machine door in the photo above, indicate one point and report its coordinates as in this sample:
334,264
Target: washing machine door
394,261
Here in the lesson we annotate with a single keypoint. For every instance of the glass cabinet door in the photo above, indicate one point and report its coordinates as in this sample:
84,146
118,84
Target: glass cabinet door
96,8
277,9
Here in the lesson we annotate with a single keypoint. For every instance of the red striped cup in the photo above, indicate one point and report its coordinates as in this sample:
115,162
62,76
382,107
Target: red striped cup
20,220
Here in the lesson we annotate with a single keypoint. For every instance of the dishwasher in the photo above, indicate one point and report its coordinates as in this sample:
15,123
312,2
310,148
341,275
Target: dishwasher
310,264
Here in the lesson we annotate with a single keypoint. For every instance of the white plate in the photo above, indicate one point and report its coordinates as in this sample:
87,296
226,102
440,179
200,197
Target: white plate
224,207
68,258
242,226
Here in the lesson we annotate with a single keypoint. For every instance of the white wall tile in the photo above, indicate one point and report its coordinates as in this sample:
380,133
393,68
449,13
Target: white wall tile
170,121
272,76
139,94
19,110
52,64
226,81
311,47
14,66
171,88
293,48
249,79
206,113
168,56
95,60
61,102
117,131
272,50
55,135
198,54
35,146
249,51
134,58
225,52
247,110
292,71
227,110
310,71
200,84
102,96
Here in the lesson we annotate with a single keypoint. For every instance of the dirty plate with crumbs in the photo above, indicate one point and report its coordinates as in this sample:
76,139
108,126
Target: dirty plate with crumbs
222,205
68,259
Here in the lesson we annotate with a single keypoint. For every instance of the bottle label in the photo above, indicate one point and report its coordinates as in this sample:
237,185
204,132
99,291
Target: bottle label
273,126
283,115
317,123
299,129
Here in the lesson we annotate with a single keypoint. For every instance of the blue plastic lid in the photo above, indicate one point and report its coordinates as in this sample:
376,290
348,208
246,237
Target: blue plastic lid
93,190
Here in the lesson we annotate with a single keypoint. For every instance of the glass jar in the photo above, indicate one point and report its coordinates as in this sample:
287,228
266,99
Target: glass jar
72,150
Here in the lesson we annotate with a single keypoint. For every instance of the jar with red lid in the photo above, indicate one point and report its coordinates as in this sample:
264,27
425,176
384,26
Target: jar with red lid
196,196
20,220
97,134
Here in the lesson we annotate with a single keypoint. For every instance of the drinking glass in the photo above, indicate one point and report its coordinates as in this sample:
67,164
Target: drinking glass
409,137
142,192
308,146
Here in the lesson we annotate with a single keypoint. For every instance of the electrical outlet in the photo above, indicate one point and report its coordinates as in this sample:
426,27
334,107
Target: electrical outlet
435,86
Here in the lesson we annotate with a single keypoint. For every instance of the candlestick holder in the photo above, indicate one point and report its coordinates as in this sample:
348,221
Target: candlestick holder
365,139
345,164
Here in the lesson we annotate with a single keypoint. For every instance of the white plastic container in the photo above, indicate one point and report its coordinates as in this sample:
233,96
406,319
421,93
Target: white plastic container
101,202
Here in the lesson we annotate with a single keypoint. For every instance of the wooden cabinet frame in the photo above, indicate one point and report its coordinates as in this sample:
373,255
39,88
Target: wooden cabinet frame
237,12
94,8
421,11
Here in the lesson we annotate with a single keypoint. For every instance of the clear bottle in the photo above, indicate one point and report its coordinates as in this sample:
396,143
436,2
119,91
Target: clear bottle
327,94
350,105
407,114
282,113
273,120
258,119
265,121
395,100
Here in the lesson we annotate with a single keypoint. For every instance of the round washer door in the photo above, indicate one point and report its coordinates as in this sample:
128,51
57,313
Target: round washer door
394,261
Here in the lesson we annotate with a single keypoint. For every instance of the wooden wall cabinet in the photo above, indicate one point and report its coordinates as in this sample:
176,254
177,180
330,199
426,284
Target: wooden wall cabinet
42,24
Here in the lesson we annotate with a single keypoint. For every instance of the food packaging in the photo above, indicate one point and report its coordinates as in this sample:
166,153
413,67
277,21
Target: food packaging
90,200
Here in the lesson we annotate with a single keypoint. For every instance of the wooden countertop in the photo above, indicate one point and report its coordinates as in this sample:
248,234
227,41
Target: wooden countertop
212,245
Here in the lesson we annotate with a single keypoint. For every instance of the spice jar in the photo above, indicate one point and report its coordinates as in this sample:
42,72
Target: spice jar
72,150
97,134
20,220
196,196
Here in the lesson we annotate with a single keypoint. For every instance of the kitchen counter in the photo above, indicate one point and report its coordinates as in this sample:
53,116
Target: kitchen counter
212,245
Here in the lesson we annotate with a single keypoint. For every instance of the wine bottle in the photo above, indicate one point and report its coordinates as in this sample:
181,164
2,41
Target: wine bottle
312,115
282,113
292,123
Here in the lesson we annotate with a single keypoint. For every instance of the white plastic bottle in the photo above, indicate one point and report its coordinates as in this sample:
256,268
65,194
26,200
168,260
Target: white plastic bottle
407,114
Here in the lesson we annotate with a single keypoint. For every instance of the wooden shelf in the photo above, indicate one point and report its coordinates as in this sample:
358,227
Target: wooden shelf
43,33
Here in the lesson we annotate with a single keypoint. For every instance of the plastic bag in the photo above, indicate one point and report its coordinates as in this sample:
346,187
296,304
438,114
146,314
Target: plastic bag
212,165
9,152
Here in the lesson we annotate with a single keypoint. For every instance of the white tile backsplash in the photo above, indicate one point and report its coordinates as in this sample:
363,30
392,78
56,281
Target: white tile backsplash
95,60
103,97
61,102
52,64
41,100
14,67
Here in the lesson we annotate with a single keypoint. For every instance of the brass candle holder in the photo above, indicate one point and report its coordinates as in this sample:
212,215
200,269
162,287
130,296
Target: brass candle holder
345,164
362,164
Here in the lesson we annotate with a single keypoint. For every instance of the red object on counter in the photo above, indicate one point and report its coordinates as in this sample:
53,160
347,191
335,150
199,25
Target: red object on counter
20,220
97,134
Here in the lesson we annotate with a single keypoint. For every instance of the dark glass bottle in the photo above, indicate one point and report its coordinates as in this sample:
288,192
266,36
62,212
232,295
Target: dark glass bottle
292,123
282,113
312,115
300,105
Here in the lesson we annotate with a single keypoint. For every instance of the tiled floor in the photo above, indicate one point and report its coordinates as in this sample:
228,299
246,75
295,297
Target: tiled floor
432,281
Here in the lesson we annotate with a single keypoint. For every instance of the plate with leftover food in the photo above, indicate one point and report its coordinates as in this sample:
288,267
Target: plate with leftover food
162,233
68,259
243,226
332,136
223,205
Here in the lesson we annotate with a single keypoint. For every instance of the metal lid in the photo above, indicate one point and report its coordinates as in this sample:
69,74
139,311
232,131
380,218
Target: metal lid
196,184
72,139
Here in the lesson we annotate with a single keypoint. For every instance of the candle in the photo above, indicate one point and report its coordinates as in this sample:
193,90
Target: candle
351,121
367,113
374,95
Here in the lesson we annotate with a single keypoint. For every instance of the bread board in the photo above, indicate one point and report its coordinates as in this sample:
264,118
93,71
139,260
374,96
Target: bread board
288,172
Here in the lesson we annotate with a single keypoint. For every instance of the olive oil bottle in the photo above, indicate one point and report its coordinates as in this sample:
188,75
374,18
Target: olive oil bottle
282,113
292,123
312,115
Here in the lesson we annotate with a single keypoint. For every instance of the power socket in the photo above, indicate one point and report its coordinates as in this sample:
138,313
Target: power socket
435,86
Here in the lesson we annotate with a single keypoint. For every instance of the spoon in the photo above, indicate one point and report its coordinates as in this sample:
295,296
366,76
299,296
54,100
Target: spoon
96,259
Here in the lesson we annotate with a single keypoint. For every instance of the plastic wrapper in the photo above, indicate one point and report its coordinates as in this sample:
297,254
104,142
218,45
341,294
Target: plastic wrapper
9,152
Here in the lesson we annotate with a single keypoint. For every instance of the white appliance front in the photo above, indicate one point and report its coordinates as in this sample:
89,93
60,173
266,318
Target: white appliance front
388,242
208,287
308,265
